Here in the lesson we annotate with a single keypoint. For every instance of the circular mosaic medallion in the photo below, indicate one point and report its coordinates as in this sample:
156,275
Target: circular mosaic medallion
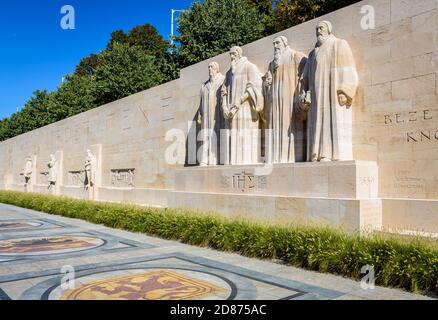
18,225
49,245
152,284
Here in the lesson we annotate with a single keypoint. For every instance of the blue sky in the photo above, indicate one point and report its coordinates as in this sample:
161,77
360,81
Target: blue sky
35,52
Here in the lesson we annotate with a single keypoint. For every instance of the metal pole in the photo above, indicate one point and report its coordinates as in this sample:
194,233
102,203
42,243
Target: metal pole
172,24
171,28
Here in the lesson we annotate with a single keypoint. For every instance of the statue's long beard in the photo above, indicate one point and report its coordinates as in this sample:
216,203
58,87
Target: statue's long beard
233,65
322,39
277,58
213,77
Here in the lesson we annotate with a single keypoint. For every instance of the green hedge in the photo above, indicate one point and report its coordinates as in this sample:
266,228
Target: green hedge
408,263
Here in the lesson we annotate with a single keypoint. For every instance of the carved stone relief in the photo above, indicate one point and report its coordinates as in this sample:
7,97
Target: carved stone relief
122,178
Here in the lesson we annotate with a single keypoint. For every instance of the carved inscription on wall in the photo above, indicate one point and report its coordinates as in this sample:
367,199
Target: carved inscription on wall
122,178
367,181
413,117
76,178
410,183
245,182
408,180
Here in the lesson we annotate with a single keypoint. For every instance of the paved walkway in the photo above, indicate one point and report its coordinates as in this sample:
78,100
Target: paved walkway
38,253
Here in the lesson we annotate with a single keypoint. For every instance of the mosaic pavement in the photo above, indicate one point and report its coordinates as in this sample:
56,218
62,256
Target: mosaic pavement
36,249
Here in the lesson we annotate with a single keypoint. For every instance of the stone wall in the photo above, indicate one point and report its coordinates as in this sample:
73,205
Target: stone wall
395,118
398,71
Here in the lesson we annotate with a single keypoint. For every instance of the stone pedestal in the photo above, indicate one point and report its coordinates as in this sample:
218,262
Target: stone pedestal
339,193
350,179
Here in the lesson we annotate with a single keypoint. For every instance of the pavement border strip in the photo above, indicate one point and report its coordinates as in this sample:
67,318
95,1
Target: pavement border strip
109,246
255,275
46,225
55,272
4,296
36,219
302,289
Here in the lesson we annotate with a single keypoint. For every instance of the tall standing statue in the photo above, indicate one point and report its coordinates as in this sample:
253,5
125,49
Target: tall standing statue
282,96
242,104
28,169
209,116
53,171
330,75
90,169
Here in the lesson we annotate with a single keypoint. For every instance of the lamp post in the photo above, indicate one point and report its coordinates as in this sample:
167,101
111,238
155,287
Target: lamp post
172,23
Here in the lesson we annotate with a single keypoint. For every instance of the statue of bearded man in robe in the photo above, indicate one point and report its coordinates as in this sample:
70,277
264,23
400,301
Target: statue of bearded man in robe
210,116
331,76
90,169
242,103
28,168
281,111
53,170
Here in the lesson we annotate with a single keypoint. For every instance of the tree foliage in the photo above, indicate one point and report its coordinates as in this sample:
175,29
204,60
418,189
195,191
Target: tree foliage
74,96
145,36
212,27
118,36
87,65
123,71
289,13
148,39
34,115
266,9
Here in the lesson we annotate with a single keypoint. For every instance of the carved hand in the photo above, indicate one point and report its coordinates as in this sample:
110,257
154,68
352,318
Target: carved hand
199,119
305,101
226,113
343,99
224,91
243,98
233,112
268,81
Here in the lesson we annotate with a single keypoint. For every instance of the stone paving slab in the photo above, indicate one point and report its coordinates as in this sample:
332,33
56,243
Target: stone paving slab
116,264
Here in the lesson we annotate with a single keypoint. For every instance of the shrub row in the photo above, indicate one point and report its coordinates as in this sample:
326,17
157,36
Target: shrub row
411,264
